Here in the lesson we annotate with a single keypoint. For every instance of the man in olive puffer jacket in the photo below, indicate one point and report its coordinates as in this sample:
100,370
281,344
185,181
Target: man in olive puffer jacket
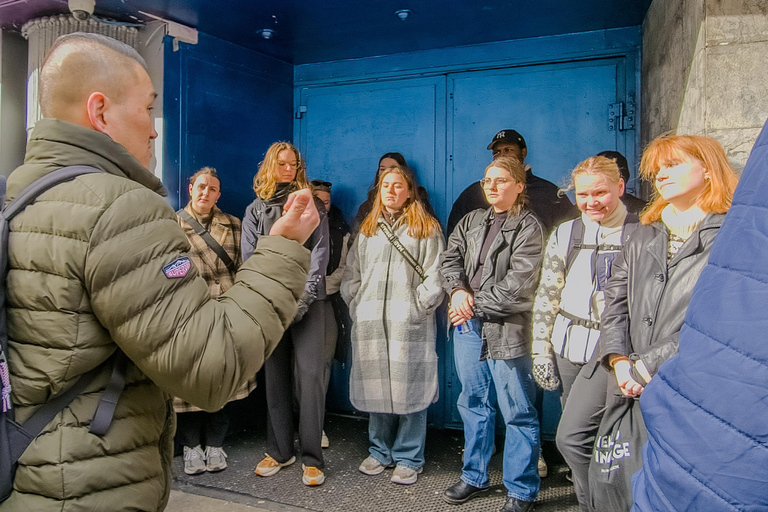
97,264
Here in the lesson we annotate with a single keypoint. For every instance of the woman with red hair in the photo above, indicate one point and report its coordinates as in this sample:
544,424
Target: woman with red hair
653,278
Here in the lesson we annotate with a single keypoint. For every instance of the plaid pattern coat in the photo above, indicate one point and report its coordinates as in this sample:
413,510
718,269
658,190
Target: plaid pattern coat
394,363
225,229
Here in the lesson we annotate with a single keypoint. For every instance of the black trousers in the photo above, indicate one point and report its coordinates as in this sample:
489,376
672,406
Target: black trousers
200,427
302,348
331,334
568,372
581,417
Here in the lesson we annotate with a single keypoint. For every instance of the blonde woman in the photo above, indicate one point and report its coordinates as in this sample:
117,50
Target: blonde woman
392,287
281,173
570,296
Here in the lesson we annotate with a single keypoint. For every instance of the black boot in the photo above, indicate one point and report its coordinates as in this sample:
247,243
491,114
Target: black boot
461,492
516,505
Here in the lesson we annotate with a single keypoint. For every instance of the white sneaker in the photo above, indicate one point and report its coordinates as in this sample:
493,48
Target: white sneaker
215,459
405,476
194,460
324,441
542,467
370,466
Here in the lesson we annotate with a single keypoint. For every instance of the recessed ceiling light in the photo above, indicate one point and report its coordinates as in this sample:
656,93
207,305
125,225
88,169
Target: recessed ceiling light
403,14
266,33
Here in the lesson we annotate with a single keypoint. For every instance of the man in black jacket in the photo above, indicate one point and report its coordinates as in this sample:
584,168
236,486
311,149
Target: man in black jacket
550,207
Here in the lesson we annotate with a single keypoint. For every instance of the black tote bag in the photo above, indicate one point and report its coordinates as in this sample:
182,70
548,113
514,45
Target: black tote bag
617,455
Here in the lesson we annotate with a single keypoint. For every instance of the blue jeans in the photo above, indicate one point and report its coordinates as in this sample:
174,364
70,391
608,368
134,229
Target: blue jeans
482,384
398,438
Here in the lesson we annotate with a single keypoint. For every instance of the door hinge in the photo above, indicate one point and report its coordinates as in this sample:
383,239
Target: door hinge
301,111
621,116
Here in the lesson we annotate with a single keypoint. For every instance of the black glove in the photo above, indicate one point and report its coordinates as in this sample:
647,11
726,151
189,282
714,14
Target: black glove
307,298
303,307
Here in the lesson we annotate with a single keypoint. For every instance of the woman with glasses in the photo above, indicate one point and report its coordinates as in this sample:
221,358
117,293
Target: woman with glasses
301,348
392,286
490,270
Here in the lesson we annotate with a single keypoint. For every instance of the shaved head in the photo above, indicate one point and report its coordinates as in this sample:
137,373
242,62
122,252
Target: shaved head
81,63
100,84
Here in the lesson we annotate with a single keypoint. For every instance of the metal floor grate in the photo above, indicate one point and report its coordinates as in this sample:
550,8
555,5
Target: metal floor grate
348,490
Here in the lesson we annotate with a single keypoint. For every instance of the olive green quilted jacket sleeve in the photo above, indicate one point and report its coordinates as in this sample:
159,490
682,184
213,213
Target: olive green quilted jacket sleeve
199,349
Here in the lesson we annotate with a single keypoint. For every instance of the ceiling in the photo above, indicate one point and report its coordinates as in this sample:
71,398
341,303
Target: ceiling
309,31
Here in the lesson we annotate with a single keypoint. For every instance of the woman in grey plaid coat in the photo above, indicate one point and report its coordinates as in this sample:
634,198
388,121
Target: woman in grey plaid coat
392,303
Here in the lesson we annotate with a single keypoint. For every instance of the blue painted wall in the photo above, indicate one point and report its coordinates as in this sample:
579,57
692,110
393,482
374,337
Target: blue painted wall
223,106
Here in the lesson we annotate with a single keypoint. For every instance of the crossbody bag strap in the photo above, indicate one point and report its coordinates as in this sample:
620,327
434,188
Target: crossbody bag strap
401,249
209,240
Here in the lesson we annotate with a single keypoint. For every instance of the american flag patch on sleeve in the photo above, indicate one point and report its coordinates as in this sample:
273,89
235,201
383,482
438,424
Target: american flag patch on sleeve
177,268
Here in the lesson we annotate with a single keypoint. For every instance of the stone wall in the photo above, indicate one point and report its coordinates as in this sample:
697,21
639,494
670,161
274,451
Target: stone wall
705,71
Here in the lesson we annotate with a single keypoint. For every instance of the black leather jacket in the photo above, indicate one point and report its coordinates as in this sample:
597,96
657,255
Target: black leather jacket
646,297
510,274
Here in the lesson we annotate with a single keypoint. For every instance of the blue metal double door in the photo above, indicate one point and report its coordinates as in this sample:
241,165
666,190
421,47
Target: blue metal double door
442,125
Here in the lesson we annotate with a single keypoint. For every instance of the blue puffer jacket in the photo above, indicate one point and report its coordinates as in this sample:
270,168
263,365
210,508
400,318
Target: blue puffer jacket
707,409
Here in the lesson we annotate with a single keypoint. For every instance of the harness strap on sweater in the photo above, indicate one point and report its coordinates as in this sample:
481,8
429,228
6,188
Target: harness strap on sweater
582,322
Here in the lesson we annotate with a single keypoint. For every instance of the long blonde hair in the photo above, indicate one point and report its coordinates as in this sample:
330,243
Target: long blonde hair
667,150
265,181
420,223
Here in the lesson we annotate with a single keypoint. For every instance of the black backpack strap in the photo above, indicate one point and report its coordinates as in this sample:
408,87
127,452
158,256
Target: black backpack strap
576,320
47,182
22,436
209,240
24,199
575,243
105,411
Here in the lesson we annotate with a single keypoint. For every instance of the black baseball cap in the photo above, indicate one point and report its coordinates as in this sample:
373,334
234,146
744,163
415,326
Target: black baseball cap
509,136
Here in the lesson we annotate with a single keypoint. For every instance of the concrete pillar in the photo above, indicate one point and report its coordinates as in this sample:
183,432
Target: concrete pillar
13,65
151,47
704,71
